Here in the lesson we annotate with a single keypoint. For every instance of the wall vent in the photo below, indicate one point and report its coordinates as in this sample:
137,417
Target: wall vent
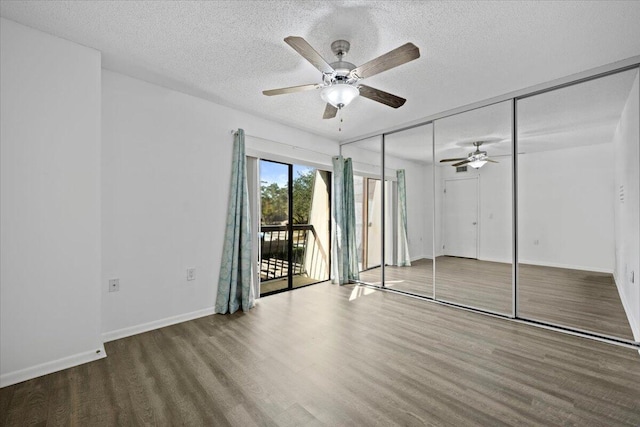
461,169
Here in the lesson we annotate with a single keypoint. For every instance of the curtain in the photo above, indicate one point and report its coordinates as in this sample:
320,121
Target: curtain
345,253
403,243
234,283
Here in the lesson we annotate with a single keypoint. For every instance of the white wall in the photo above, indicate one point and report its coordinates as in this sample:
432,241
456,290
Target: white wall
166,163
50,203
419,184
426,212
366,157
626,208
564,202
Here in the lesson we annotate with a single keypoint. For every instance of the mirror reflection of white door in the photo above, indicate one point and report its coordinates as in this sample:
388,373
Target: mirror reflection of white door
461,218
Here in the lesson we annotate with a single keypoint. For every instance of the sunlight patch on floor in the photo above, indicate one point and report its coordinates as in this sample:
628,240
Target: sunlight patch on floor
360,291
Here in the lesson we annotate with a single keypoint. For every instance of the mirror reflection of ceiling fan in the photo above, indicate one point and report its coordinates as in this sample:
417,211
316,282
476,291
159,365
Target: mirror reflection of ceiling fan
476,159
340,79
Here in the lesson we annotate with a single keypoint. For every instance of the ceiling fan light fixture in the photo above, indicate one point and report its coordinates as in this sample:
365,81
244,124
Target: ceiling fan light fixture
477,164
339,95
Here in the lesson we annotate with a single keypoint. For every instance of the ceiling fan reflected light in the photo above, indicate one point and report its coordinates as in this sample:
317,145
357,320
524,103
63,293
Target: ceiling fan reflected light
476,159
341,79
477,164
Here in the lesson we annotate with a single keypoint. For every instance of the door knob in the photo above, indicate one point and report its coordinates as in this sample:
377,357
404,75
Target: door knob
474,223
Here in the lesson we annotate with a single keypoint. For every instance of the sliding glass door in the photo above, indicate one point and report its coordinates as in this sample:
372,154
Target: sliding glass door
294,226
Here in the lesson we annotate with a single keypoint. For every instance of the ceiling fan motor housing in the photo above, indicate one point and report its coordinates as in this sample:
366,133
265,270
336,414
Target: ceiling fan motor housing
343,68
478,154
340,48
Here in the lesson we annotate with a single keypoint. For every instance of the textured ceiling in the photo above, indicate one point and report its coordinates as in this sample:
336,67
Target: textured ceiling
229,51
584,114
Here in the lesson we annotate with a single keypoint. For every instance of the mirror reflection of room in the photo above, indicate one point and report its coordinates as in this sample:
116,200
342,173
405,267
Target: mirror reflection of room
409,209
366,158
474,209
578,206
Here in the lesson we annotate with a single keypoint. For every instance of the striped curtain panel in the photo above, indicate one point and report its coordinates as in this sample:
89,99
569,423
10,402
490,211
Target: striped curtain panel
234,283
345,250
404,260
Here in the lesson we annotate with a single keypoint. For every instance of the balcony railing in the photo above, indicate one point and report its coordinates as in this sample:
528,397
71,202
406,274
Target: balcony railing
308,256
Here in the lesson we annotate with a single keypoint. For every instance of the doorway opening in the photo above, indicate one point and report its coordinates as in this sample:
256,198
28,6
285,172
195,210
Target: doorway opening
295,226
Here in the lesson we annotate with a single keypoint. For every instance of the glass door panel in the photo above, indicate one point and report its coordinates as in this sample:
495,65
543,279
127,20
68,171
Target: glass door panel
311,222
274,227
295,226
474,209
578,206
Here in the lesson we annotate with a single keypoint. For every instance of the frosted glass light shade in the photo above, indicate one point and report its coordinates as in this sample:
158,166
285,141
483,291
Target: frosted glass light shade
339,95
477,164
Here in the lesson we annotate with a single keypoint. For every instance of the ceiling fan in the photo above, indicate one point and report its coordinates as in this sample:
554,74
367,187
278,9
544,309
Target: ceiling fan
340,79
476,159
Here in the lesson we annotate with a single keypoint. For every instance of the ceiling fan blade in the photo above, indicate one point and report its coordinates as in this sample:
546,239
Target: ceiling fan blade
492,161
301,46
381,96
453,160
464,162
401,55
329,112
292,89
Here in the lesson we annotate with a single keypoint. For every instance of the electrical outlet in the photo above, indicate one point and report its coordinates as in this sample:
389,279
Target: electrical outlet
536,242
191,274
114,285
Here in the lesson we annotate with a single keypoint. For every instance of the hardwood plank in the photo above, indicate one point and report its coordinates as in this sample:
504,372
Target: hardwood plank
316,356
572,298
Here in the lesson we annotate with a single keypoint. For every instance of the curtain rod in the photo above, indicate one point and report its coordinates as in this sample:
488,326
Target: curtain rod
294,147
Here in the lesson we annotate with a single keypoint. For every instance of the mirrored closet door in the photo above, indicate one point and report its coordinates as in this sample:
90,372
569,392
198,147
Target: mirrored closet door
366,157
474,209
409,210
578,206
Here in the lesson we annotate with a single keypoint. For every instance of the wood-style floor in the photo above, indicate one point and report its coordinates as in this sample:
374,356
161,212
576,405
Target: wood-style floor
340,356
572,298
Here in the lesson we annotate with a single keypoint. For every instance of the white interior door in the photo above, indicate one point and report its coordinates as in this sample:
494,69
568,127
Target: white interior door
461,218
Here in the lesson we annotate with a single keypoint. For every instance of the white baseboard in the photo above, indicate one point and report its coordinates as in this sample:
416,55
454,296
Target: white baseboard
419,257
156,324
630,317
568,266
498,260
53,366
